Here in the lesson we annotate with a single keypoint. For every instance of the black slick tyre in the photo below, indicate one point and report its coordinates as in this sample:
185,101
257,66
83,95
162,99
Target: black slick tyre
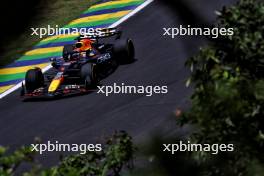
88,75
34,79
124,51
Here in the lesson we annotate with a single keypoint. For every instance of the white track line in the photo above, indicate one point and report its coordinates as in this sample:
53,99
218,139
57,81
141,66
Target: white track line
136,10
123,19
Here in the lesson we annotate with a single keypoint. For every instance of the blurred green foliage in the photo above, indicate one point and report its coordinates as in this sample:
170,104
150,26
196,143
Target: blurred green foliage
9,163
116,154
228,98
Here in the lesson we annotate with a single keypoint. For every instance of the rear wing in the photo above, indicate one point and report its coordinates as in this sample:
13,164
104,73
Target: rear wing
101,33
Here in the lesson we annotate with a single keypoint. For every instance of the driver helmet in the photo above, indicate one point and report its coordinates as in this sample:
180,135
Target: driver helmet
84,44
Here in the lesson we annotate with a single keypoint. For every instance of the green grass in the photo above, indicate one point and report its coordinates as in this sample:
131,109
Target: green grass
50,12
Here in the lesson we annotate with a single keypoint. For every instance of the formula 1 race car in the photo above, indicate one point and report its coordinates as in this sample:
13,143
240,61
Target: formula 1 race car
81,66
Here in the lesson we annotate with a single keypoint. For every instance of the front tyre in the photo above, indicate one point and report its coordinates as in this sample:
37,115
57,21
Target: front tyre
88,75
124,51
34,79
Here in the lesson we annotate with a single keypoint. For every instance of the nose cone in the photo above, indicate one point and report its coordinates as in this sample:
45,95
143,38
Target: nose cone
54,85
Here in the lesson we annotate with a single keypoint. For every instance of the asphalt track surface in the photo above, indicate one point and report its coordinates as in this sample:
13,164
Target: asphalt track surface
88,118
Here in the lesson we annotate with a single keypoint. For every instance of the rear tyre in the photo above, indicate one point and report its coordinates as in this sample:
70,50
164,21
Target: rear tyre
88,75
67,49
124,51
34,79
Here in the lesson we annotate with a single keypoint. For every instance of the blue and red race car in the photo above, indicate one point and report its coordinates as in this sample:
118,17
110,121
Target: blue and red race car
81,66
